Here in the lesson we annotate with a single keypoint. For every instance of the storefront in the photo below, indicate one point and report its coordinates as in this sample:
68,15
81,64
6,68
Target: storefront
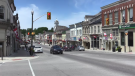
128,40
86,42
94,42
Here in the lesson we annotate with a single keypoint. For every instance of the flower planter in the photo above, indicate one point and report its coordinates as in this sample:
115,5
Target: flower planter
119,50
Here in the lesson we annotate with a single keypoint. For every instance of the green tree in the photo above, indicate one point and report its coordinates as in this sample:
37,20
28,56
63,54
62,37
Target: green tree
41,29
23,31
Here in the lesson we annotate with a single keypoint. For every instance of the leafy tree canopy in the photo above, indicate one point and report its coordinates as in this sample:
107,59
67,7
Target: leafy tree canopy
36,30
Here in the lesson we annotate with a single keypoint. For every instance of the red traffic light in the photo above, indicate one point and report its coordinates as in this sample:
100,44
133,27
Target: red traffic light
48,13
28,33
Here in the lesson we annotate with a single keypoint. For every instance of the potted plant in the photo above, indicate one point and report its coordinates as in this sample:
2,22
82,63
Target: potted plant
119,49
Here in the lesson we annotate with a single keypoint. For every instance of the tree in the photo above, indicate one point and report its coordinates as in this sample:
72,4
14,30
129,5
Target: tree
36,30
23,31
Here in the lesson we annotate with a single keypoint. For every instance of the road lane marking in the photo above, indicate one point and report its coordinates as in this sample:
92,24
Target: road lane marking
33,74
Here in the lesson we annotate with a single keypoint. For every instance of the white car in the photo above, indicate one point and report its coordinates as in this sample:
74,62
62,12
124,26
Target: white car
38,49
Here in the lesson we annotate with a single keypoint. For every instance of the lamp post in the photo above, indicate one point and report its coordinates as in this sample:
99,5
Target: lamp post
32,12
124,34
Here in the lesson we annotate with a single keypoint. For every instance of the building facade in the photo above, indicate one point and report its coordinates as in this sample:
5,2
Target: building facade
86,31
76,34
58,29
68,37
7,8
95,32
119,12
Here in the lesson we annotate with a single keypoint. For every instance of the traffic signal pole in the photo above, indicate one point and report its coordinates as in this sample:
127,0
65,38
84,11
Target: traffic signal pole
32,12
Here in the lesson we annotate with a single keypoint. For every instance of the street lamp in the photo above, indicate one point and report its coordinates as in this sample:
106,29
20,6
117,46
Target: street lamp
124,33
32,12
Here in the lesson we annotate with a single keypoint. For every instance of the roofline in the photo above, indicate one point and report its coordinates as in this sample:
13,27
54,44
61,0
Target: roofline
113,4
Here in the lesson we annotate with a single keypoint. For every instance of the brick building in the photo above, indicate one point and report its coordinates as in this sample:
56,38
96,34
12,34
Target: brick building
119,12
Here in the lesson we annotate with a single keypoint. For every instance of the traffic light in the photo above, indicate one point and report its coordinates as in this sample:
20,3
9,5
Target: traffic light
33,33
48,15
107,21
28,33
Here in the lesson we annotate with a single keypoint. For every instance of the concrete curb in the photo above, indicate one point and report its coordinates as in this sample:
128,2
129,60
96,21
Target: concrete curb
8,59
111,52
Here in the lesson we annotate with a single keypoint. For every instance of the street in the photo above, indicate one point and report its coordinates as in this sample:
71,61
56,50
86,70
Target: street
75,63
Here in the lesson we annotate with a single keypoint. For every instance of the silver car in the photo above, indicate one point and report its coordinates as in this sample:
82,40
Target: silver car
38,49
79,48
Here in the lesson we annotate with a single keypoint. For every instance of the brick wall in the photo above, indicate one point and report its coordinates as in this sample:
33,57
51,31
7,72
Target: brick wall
124,5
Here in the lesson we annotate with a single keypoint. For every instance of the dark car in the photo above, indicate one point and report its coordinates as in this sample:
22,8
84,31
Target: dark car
66,48
56,49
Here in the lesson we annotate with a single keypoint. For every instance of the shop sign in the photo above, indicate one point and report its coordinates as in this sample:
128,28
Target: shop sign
126,26
74,38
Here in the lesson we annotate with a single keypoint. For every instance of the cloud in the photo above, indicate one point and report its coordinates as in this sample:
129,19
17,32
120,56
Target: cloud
79,3
25,17
83,4
74,18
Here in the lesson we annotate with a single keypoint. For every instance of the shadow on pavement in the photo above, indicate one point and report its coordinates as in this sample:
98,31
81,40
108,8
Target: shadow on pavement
22,53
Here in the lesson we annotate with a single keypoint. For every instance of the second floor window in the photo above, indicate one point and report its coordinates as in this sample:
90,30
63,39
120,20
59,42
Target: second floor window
98,29
105,16
94,29
80,32
131,14
77,33
116,17
110,18
123,18
91,29
1,12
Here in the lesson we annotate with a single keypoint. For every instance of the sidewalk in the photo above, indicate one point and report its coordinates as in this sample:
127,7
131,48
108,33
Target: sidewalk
106,51
18,56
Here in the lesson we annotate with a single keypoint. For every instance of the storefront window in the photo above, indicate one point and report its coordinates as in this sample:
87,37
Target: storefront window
122,38
130,38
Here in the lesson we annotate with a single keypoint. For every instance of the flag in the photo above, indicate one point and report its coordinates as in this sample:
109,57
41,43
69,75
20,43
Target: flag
105,34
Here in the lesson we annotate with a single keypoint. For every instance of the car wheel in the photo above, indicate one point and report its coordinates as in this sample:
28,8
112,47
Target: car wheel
61,52
50,52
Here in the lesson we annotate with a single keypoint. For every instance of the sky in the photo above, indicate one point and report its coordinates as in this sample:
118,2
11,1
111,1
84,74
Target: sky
67,12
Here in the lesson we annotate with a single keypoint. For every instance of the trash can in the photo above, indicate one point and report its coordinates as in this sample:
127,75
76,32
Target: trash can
113,48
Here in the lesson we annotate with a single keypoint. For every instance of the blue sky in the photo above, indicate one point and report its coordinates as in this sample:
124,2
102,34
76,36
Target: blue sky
66,11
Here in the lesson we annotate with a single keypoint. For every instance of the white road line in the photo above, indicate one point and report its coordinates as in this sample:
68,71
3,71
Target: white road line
33,74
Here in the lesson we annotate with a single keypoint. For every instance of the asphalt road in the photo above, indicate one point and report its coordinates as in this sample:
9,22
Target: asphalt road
75,63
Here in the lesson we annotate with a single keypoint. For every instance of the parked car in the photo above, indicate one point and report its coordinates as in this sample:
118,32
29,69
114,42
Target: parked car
56,49
38,49
80,48
66,48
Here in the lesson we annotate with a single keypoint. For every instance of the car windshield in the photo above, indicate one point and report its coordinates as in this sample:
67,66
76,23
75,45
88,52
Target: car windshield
37,47
56,46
